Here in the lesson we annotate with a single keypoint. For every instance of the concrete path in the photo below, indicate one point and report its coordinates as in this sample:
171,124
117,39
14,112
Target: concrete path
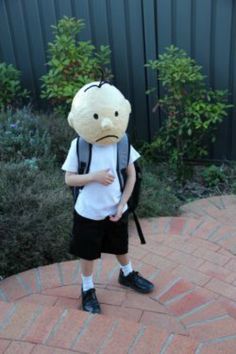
191,259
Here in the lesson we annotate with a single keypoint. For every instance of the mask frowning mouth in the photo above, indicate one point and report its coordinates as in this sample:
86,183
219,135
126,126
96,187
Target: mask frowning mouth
107,136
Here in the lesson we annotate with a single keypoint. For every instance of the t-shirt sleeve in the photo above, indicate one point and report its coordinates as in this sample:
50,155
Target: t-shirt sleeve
71,162
134,155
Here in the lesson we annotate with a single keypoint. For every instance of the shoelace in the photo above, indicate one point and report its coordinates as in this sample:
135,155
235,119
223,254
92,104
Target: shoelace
92,294
136,275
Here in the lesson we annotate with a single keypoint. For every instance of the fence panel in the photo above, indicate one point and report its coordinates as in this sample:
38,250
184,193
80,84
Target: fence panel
136,30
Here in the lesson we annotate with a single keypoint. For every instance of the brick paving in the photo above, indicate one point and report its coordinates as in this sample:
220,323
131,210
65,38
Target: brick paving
191,260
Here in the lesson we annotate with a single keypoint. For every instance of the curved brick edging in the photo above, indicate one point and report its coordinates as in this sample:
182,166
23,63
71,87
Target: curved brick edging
217,214
186,313
213,208
43,329
192,309
180,312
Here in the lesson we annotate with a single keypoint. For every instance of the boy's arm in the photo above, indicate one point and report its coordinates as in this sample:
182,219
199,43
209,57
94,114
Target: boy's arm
75,180
129,186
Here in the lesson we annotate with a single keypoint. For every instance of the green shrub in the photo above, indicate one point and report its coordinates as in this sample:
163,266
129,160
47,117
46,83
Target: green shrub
37,138
157,195
11,92
72,64
60,134
23,137
213,175
193,112
35,218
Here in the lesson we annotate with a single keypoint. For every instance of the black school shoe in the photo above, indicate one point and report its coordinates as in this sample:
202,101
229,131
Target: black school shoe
90,302
136,282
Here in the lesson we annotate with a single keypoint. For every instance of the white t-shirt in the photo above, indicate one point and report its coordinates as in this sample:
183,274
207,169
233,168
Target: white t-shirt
95,200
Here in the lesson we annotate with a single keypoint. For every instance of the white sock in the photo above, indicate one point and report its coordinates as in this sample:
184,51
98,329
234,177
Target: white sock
87,282
126,269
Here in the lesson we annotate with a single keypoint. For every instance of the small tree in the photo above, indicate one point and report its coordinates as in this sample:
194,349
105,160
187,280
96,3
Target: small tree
72,64
11,92
192,111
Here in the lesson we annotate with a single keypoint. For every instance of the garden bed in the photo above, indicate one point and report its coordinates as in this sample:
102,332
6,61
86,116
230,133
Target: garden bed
36,206
163,194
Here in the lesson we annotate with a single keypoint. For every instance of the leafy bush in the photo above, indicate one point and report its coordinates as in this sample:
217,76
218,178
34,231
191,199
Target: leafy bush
35,218
72,63
60,134
23,137
11,92
157,195
214,175
37,138
193,112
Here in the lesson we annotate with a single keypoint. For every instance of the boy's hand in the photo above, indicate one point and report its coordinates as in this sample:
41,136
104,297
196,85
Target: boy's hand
119,213
104,177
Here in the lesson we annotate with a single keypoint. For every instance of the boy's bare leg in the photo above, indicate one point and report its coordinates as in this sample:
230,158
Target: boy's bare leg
125,263
123,259
86,267
87,274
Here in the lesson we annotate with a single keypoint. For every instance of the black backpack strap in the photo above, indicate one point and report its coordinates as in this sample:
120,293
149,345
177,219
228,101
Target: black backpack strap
139,229
123,156
84,154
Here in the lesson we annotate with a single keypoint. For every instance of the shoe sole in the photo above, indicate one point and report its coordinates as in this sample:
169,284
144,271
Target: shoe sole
141,291
94,313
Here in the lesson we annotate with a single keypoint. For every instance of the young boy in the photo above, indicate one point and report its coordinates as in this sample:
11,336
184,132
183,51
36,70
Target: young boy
100,114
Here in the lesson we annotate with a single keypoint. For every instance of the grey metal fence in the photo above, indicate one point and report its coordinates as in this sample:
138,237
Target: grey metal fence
136,30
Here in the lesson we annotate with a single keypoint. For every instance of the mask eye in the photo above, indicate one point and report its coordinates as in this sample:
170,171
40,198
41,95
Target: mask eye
95,116
116,114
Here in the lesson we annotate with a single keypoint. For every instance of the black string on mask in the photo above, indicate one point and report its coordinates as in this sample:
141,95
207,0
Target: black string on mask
101,83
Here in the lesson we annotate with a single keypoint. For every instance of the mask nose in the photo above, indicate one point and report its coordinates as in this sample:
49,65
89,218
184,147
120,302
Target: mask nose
106,123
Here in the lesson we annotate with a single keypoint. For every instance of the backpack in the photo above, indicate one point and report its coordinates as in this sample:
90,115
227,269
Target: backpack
84,154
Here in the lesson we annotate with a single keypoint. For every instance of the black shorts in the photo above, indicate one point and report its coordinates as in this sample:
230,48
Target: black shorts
90,238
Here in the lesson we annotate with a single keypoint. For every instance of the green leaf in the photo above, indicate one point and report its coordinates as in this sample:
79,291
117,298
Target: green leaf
193,112
72,63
